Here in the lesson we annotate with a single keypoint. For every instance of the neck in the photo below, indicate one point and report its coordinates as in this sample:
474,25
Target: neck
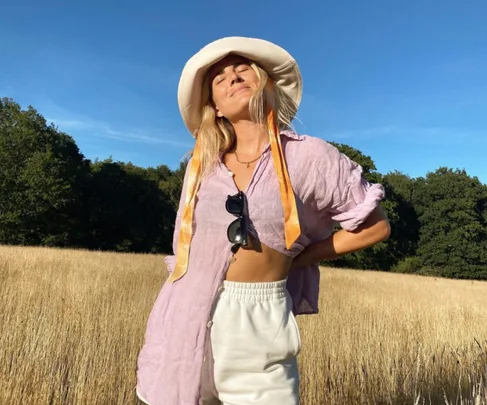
251,137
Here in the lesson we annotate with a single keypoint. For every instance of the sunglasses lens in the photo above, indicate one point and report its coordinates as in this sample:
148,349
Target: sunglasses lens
234,205
234,232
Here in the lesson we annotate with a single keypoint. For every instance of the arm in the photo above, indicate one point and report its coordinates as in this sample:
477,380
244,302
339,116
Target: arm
342,194
373,230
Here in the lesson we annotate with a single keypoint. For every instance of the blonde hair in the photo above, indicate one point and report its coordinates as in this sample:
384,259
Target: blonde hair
216,134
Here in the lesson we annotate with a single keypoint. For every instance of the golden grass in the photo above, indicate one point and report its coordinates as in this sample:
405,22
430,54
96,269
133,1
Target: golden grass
72,324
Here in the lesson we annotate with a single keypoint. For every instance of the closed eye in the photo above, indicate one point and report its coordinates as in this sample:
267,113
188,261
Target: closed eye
239,69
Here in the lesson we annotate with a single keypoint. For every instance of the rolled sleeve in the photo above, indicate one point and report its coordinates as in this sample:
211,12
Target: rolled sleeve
343,193
363,198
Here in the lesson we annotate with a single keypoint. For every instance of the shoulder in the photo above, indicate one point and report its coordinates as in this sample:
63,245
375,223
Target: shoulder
308,149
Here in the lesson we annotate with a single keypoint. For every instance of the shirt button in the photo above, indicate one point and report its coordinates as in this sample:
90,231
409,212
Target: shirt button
220,289
209,324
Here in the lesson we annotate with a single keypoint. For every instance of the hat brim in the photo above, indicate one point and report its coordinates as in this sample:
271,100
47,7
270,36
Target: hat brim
276,61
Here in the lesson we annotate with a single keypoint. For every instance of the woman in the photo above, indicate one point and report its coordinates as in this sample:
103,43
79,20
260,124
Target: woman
258,206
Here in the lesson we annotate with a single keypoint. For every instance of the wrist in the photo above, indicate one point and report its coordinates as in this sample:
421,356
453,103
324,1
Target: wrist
316,252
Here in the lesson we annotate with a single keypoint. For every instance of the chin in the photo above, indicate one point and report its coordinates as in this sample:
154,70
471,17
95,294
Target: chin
240,111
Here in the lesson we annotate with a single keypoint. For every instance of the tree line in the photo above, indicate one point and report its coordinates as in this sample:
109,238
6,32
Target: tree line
51,195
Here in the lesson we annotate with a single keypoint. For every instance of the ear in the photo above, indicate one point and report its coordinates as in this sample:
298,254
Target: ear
218,112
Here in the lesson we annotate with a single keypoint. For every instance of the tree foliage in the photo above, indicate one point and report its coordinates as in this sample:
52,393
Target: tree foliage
42,175
51,195
127,210
453,233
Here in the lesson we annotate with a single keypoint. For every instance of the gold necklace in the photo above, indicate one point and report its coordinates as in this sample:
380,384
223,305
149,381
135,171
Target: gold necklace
249,162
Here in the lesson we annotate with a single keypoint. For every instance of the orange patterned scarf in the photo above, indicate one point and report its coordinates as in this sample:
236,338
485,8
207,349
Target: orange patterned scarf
292,228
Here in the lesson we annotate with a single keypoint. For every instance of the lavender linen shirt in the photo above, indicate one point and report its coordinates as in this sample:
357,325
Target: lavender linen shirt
329,189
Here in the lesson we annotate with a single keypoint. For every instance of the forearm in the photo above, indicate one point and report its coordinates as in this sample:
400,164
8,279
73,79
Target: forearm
374,230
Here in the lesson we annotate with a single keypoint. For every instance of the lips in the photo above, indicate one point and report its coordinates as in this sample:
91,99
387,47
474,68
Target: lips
239,89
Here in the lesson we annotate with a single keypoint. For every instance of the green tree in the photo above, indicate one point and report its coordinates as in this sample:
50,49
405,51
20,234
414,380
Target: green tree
42,177
453,235
405,232
170,182
127,211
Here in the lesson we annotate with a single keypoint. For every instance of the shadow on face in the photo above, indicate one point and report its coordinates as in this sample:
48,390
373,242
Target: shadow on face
233,81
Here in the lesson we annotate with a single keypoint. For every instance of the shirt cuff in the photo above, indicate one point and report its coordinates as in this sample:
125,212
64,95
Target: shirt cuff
351,219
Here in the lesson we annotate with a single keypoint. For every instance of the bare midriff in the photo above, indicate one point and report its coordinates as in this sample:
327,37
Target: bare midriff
255,262
258,263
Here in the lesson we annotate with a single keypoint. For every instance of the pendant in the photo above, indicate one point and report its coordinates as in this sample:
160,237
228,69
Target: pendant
248,165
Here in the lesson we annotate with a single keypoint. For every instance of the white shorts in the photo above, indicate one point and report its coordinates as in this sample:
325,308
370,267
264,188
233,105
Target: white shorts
251,356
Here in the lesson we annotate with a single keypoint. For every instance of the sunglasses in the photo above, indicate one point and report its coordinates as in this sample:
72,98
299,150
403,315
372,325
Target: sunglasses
237,230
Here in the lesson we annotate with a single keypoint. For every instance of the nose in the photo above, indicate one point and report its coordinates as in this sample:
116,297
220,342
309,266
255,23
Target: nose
236,78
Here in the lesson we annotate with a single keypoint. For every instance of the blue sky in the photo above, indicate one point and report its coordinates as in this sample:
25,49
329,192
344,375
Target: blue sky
403,81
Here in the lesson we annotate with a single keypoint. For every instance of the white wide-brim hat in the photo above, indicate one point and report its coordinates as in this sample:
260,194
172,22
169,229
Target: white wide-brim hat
276,61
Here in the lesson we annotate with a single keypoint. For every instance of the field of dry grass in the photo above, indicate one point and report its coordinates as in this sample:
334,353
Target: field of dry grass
72,324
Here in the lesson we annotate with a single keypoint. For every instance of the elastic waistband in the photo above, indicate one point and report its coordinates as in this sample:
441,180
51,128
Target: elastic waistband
265,291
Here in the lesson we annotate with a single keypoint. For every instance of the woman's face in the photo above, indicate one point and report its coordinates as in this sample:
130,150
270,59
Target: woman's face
233,82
